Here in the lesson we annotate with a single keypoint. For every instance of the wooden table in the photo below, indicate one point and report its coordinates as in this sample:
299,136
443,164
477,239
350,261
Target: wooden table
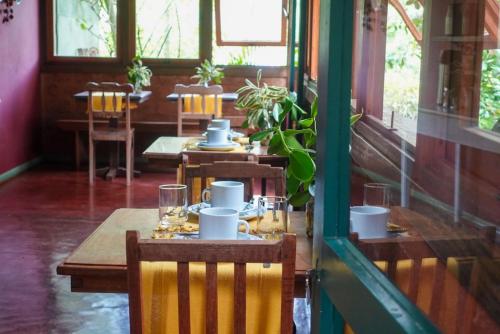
226,97
172,148
137,98
99,263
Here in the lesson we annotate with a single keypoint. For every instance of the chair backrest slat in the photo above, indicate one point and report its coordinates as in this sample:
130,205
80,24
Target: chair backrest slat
190,91
211,289
240,297
211,252
183,299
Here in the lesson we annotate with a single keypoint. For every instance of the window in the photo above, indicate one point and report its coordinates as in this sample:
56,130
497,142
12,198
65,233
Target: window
168,29
167,33
85,28
254,22
235,43
402,68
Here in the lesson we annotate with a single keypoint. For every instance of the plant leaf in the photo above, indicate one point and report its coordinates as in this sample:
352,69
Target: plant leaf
314,107
276,112
301,165
306,122
292,184
260,135
299,199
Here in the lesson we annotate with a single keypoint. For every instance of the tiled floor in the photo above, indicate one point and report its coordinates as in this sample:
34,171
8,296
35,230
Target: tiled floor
44,215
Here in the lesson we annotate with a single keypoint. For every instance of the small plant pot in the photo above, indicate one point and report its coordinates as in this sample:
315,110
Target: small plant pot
137,88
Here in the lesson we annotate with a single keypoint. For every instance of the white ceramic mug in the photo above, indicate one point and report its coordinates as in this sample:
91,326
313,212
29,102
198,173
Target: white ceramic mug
227,194
220,224
221,124
369,222
217,136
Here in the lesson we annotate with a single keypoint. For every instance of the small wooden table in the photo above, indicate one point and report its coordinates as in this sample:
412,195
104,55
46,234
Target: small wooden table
172,148
99,264
137,98
226,97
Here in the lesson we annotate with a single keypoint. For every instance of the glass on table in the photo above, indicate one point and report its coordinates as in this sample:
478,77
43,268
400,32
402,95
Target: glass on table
173,205
377,194
272,218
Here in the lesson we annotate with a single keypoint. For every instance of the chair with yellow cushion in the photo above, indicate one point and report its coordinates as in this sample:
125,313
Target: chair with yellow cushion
110,100
199,103
206,286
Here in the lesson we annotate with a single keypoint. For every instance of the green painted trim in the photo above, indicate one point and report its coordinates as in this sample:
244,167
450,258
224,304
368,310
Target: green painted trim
11,173
364,296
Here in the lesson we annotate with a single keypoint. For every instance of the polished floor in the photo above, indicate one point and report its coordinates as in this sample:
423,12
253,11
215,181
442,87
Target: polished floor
44,215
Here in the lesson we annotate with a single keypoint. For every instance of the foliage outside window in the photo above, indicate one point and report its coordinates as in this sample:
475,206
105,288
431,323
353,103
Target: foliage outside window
489,102
402,72
168,29
85,28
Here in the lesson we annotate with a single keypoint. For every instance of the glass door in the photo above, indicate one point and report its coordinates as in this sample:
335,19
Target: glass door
408,199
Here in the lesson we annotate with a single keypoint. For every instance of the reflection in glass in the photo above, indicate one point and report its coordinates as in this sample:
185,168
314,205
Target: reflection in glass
443,177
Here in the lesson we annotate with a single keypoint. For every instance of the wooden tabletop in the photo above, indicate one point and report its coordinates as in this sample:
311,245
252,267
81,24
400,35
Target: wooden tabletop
227,97
134,97
99,263
171,148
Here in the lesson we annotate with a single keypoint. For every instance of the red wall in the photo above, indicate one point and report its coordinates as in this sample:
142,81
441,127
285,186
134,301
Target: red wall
20,86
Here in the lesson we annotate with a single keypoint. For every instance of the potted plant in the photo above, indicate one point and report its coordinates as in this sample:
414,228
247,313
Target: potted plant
207,72
266,106
300,153
139,75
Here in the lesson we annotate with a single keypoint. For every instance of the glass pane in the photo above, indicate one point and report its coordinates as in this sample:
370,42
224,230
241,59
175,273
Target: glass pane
85,28
168,29
250,55
251,20
425,176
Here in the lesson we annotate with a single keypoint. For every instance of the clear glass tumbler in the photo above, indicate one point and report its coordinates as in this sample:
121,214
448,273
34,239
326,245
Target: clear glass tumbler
173,205
377,194
272,217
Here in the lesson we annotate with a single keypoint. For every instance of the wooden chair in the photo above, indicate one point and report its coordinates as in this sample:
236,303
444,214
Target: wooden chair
110,100
202,115
211,252
244,171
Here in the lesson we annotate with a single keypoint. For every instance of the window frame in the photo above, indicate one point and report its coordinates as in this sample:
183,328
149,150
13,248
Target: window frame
126,26
218,32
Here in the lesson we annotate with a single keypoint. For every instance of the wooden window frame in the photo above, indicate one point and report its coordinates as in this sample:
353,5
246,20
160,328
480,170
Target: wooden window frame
126,48
49,40
218,33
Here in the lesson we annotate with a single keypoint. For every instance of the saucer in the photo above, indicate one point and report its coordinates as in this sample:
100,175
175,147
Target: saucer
206,146
248,211
196,235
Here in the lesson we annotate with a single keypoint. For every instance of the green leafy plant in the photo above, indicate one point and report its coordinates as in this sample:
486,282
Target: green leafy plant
298,146
138,74
489,101
207,72
265,105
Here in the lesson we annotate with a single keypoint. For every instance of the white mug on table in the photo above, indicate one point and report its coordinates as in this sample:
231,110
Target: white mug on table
221,124
228,194
369,221
220,224
217,136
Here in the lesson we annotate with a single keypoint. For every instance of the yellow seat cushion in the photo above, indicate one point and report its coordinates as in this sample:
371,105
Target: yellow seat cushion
160,297
209,104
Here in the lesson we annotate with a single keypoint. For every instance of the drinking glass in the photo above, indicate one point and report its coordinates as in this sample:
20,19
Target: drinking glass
377,194
272,217
173,204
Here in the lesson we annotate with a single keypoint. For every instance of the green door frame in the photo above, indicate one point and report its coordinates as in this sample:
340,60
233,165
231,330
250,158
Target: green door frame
347,287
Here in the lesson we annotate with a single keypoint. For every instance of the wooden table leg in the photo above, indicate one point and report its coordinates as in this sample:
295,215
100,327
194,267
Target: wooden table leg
78,147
